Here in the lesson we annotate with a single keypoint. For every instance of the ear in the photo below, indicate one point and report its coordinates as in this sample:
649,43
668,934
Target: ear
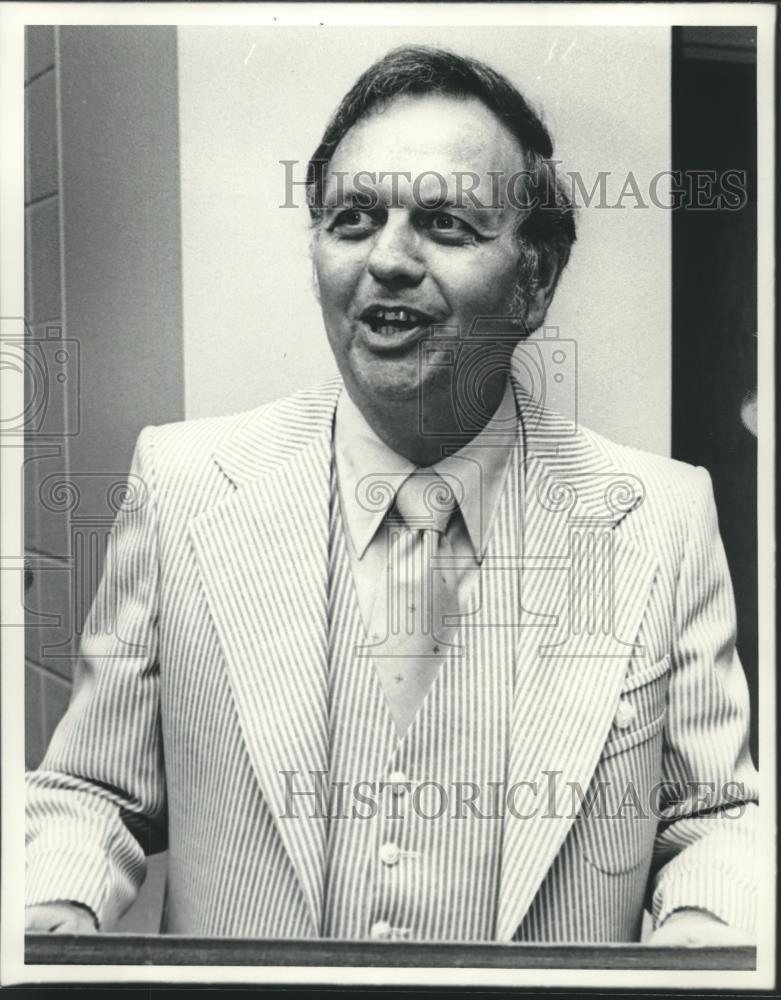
549,272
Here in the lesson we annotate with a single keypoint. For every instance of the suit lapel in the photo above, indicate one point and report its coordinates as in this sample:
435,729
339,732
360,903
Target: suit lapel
263,557
584,588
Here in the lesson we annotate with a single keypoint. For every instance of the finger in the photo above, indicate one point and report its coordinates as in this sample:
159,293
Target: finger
58,919
42,919
75,923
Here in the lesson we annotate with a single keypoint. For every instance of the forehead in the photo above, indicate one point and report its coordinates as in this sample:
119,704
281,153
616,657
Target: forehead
433,132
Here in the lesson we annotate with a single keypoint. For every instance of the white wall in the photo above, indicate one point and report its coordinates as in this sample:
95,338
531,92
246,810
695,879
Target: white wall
252,96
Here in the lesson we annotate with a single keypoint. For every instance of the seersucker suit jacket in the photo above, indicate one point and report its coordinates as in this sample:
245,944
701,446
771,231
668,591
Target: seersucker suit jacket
203,674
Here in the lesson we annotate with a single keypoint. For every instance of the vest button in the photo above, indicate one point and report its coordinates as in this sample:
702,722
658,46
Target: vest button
381,930
625,714
398,779
390,854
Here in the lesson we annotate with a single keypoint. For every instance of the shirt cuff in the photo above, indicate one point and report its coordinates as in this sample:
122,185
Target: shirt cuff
67,875
725,892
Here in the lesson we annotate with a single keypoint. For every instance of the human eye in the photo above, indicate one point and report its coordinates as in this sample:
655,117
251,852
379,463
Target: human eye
353,223
448,228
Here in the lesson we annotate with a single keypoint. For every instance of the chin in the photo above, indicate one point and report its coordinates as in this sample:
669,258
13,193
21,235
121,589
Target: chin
390,384
390,379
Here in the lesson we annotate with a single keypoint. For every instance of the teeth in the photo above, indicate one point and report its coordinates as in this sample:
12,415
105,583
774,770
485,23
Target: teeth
395,316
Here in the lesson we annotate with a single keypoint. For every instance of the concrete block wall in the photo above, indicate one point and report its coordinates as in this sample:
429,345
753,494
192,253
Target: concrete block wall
47,680
103,295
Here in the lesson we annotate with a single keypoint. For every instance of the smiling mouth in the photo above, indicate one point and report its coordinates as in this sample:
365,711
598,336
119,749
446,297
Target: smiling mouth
391,322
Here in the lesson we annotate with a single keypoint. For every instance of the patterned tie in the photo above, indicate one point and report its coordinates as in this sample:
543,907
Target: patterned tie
409,630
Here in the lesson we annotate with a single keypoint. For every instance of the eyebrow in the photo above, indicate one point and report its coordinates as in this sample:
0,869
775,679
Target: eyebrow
353,199
371,201
437,204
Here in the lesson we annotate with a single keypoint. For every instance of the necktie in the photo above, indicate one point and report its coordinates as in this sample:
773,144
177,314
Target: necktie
413,619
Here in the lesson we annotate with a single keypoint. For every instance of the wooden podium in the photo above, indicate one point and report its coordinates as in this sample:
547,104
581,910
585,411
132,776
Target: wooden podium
142,949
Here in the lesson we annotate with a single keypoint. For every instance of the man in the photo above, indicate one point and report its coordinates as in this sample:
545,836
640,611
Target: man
407,656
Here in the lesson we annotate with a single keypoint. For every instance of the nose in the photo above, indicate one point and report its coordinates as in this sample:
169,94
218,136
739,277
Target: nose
394,259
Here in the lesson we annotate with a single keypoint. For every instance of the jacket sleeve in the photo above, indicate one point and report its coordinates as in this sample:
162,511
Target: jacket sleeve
704,853
96,806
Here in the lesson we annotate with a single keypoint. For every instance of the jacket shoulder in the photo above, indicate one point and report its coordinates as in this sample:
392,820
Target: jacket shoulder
637,460
671,489
189,445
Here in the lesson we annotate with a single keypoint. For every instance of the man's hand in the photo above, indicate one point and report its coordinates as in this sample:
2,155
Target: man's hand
61,917
691,928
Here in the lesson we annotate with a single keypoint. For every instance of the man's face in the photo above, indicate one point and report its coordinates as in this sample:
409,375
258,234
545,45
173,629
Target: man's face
387,274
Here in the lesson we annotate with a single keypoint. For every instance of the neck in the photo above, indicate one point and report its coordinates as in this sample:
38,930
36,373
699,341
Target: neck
426,427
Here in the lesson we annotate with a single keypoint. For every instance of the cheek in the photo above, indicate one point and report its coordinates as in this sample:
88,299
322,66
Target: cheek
337,270
479,282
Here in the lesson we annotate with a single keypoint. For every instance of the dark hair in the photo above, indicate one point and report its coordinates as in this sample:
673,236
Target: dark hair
547,231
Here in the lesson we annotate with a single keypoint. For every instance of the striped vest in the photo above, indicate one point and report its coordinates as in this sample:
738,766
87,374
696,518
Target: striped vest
420,858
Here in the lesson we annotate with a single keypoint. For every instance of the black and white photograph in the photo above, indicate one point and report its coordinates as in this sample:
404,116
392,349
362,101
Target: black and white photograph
388,522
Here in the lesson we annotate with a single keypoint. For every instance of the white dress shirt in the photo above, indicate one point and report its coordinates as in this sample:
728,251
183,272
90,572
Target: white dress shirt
363,458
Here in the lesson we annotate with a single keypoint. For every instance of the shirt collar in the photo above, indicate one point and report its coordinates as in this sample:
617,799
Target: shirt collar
481,466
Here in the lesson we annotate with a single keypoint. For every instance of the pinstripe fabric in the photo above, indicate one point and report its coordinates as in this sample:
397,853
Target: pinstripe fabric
445,885
211,678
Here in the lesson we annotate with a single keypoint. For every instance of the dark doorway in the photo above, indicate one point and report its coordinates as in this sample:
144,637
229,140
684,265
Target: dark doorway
714,128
